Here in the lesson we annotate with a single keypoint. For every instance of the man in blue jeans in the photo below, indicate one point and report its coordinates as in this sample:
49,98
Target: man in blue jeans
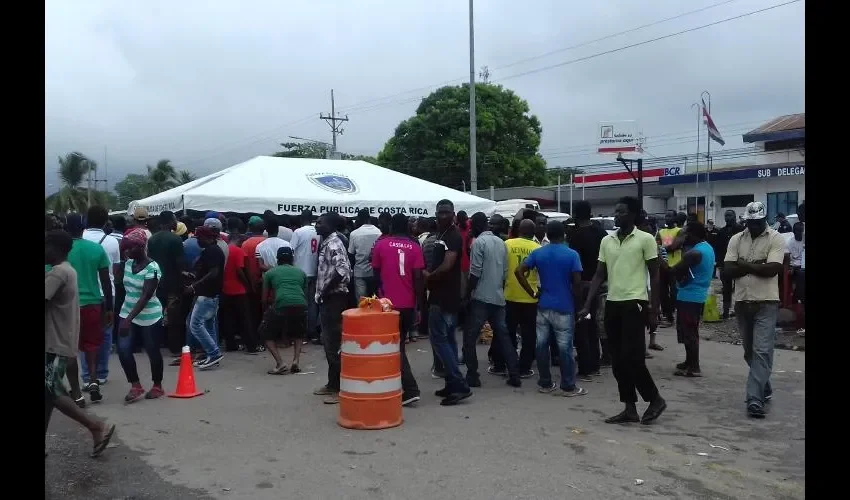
559,269
209,275
487,274
443,281
754,260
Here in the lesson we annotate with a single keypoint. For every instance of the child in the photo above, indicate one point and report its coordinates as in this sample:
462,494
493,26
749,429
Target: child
61,337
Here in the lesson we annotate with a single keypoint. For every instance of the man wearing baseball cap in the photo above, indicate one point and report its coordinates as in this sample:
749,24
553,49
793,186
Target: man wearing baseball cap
217,227
754,260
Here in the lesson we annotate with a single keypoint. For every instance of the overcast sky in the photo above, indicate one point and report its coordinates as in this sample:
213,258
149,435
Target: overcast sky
208,84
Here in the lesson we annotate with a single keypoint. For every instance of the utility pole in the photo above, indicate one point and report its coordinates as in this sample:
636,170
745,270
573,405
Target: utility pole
332,120
473,154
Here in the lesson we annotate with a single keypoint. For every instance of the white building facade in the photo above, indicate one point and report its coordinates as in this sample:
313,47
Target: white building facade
776,176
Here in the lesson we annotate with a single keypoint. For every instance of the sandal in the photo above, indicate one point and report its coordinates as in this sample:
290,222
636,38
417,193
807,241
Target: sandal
656,347
99,447
293,368
279,370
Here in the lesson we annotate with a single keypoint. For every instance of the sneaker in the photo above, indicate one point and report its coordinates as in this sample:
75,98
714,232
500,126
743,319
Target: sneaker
409,399
209,362
682,366
768,397
87,387
81,402
323,391
502,372
526,374
155,392
514,382
101,381
332,399
455,398
94,393
442,393
577,391
136,393
546,390
755,410
473,382
585,378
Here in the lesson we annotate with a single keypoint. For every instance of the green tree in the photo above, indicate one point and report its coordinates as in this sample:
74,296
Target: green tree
316,150
133,187
162,177
302,150
185,177
71,197
434,143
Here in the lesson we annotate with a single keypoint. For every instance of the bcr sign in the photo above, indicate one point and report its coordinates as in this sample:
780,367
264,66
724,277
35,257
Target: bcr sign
672,171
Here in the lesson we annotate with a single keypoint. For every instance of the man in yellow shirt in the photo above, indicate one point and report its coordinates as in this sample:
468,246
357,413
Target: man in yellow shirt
668,237
521,308
625,259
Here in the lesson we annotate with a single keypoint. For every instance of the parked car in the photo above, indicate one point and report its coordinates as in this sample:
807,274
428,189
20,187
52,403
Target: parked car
607,224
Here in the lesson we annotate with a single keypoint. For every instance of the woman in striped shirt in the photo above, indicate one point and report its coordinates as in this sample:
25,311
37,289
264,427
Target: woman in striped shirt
139,315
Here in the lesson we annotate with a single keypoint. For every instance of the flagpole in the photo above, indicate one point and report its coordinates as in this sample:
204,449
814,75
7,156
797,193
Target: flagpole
699,120
708,156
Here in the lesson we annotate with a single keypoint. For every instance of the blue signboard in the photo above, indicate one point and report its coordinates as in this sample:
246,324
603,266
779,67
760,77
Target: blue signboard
732,175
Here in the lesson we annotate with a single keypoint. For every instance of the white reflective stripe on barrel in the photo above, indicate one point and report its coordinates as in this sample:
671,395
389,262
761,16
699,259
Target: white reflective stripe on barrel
379,386
353,347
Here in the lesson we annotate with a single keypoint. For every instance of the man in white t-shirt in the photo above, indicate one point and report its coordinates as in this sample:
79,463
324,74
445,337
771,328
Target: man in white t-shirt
360,244
267,250
305,244
96,220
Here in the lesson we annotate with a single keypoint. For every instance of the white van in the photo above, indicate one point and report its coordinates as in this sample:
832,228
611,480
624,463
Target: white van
509,208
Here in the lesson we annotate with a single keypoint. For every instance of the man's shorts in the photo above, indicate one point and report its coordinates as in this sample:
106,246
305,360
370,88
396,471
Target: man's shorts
688,316
91,328
54,372
284,324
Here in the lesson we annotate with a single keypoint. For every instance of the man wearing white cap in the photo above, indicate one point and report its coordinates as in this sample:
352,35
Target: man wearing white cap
754,260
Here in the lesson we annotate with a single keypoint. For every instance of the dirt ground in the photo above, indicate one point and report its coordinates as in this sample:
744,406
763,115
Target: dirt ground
727,331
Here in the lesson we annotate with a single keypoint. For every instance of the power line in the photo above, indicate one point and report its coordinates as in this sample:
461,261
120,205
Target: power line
651,40
564,63
614,35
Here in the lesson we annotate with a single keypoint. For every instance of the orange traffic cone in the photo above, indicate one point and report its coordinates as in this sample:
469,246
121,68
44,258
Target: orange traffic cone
185,378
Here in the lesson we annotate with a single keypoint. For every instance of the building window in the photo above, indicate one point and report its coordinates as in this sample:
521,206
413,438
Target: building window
784,203
736,201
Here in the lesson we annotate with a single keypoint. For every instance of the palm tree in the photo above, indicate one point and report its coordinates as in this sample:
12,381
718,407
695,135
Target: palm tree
185,177
162,177
73,169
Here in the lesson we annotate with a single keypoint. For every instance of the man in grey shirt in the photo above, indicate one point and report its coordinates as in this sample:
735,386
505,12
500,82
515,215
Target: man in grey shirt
360,244
488,270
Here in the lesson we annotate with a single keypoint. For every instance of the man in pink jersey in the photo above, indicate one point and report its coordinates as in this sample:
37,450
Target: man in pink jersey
397,262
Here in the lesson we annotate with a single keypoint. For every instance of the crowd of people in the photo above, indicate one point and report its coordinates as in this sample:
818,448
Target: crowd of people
545,288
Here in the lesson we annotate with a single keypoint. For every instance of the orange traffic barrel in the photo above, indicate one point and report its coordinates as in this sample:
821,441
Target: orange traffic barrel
370,371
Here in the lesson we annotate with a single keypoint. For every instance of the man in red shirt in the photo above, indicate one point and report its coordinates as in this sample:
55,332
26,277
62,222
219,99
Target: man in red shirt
234,308
256,227
398,262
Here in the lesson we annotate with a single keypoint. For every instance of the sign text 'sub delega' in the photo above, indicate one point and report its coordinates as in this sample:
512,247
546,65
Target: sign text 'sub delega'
674,175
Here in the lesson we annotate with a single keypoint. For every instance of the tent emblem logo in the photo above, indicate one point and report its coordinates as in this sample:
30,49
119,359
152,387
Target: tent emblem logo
335,183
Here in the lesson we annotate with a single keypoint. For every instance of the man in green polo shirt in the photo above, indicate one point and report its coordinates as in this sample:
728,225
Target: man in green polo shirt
625,258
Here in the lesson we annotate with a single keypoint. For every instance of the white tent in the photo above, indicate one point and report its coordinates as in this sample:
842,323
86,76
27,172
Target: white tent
290,185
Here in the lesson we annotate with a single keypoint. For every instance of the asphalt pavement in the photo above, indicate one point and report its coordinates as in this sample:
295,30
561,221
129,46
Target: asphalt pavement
257,436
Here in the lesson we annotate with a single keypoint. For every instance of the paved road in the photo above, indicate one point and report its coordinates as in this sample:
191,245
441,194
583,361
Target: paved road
264,437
